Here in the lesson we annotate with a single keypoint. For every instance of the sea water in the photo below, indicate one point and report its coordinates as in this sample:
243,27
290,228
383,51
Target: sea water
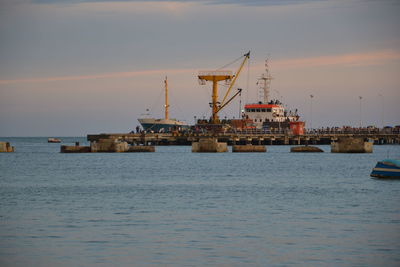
177,208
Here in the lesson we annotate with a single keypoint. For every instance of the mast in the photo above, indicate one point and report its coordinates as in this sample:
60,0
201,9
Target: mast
166,97
265,84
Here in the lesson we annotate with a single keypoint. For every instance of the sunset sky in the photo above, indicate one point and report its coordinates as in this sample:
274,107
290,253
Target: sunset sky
70,67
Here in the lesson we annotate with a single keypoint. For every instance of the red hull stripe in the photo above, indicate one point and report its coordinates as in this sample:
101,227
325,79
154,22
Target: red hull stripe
261,106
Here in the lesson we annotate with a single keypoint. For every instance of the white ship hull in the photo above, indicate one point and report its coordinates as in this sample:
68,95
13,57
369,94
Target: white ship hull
157,125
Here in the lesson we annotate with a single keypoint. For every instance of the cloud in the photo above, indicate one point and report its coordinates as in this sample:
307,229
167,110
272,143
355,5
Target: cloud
208,2
263,2
352,59
96,76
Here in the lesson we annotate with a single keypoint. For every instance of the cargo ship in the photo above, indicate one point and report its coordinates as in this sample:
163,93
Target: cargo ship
162,125
270,114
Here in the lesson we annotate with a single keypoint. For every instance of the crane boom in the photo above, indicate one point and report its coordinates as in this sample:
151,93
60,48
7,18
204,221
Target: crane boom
246,57
230,99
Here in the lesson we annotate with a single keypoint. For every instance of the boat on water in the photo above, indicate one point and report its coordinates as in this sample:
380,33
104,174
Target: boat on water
268,113
162,125
387,168
53,140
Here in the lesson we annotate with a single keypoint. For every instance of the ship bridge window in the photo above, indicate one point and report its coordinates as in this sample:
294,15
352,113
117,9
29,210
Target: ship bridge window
268,110
263,110
258,110
253,110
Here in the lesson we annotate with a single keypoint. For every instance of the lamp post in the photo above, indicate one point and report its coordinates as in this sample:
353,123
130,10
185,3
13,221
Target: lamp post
382,111
240,104
311,98
360,97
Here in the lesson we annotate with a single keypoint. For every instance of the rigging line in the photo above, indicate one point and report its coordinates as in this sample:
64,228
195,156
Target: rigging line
248,75
240,105
247,82
174,99
230,63
223,85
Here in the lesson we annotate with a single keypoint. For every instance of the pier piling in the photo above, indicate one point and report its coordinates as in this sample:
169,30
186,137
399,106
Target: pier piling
351,145
6,147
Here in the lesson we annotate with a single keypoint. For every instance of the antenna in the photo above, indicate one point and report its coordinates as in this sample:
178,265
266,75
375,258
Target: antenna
264,83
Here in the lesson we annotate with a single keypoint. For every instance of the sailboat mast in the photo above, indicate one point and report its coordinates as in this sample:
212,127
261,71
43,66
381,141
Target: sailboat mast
166,98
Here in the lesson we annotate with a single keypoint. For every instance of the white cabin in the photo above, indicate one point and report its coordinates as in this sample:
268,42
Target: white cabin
262,114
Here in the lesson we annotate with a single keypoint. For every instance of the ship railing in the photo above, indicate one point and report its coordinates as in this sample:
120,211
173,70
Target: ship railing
350,130
259,131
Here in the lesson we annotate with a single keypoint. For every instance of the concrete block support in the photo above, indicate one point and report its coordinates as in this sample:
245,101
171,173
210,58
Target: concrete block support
249,148
305,149
209,145
6,147
75,149
108,145
141,149
351,145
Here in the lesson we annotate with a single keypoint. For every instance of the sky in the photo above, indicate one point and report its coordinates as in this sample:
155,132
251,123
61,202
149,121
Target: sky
78,67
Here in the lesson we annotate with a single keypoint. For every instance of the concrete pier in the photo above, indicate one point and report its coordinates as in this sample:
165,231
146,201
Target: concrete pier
109,145
307,149
106,146
249,148
209,145
351,145
75,149
243,138
6,147
141,149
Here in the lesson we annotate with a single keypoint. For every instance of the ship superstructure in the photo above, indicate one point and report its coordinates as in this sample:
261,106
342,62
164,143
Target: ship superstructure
268,113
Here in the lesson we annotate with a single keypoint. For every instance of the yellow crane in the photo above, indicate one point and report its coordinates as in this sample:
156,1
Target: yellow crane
217,76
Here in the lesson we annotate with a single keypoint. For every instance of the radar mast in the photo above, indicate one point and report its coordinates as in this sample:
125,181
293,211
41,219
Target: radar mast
264,83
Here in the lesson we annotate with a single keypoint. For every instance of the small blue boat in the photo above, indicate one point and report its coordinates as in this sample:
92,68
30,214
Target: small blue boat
387,168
